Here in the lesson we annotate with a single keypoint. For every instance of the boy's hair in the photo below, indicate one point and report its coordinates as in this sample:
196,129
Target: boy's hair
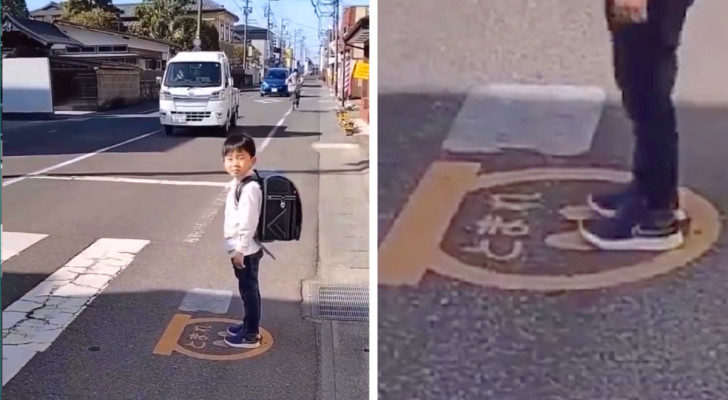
238,142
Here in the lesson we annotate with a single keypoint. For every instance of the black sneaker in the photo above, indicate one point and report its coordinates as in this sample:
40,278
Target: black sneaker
659,231
233,330
607,204
243,341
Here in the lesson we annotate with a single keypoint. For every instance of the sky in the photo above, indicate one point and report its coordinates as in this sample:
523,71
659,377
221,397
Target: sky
300,13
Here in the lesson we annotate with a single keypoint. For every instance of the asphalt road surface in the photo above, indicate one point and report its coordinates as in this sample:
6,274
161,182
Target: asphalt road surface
139,226
449,335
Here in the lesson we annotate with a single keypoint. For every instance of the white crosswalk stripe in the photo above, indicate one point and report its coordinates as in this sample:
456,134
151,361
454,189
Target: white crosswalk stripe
13,243
33,322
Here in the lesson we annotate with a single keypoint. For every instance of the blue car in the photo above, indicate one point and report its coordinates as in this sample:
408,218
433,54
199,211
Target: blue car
274,82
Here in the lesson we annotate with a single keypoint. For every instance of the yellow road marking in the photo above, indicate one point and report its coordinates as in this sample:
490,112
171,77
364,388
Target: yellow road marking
412,246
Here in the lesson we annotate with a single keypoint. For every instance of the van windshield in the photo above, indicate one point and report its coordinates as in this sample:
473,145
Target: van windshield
193,74
276,74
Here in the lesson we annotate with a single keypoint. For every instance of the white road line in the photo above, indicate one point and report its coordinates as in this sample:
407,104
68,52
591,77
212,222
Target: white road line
210,300
273,131
75,160
32,323
319,145
130,180
13,243
198,231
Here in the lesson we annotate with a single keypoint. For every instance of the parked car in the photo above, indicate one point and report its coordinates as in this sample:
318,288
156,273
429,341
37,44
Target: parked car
274,82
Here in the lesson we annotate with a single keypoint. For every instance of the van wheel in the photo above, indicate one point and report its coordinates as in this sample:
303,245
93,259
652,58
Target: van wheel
169,130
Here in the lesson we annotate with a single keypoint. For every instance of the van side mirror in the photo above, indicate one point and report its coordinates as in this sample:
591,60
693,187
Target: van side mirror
159,80
231,82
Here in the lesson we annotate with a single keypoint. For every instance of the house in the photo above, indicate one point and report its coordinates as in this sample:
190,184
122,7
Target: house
59,66
212,12
357,39
260,38
106,46
349,54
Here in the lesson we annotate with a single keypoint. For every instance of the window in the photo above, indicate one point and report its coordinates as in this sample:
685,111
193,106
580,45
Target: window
277,74
193,74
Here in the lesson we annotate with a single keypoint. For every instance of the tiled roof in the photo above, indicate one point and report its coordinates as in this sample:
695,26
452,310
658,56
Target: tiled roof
43,32
127,10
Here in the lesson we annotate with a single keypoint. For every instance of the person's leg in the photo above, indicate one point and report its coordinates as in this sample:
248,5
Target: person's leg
233,330
645,68
645,63
248,334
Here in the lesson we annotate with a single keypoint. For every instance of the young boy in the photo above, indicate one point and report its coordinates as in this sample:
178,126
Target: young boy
645,215
241,222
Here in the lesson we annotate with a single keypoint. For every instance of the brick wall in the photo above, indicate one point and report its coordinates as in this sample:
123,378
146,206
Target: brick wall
117,87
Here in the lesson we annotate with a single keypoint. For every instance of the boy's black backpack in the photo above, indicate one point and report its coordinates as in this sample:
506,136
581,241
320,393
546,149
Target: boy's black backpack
281,213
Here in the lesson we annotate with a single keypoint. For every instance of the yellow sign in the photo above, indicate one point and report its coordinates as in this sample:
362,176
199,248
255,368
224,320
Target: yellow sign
414,244
202,338
361,70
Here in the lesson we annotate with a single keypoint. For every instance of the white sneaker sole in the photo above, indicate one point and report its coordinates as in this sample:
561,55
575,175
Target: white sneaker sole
243,345
680,215
668,243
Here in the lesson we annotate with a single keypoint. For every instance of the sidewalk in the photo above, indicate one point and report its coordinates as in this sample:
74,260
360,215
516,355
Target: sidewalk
337,297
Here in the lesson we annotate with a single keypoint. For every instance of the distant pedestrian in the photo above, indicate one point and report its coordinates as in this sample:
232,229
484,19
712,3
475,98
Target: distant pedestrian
645,215
241,223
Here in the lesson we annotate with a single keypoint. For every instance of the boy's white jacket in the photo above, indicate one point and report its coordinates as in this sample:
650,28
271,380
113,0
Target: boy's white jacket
241,222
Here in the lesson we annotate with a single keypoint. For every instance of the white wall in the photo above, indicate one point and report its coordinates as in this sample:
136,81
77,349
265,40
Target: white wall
27,85
260,45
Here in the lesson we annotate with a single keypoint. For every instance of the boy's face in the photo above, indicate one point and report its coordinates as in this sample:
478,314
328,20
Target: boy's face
238,163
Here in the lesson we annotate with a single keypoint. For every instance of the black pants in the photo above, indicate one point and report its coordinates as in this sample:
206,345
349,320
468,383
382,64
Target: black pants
645,68
250,292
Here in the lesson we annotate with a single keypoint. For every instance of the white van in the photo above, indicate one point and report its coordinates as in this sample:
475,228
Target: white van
197,91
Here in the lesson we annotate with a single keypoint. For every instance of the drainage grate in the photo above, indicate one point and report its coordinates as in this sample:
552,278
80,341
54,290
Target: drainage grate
342,302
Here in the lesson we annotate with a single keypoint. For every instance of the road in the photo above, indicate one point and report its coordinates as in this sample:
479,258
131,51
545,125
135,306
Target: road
107,247
451,329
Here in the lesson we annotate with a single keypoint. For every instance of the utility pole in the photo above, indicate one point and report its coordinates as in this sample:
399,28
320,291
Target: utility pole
198,42
336,37
267,39
295,46
280,41
268,43
245,35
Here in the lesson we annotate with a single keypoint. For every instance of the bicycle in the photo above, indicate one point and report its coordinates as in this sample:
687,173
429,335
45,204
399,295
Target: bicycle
296,97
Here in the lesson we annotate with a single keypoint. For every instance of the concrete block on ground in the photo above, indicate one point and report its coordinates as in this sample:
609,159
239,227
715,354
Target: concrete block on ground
555,120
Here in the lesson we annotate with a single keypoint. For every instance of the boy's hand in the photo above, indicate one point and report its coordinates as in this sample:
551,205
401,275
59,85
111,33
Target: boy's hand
238,260
629,10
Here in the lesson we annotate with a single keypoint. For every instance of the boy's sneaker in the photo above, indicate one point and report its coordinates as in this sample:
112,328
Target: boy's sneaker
233,330
607,204
658,231
243,341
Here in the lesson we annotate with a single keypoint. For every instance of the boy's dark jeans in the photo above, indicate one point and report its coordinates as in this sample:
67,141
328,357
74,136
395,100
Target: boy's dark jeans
645,68
250,292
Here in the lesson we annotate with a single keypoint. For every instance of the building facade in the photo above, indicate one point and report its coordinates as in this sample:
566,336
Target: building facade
212,12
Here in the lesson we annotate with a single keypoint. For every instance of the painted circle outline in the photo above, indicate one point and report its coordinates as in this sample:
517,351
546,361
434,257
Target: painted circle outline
704,217
266,343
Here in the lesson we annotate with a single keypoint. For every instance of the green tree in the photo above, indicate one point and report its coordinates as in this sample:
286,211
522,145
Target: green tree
168,20
16,8
95,18
253,58
92,13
